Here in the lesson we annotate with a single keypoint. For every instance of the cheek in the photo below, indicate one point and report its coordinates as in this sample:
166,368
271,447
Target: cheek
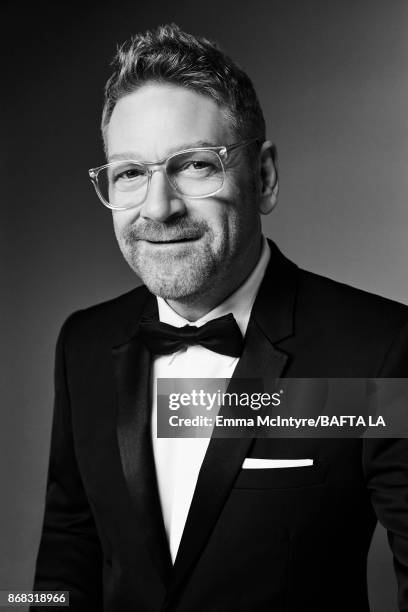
240,211
227,231
122,220
217,217
229,216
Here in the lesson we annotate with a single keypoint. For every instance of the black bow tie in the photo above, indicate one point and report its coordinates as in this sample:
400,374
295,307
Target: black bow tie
220,335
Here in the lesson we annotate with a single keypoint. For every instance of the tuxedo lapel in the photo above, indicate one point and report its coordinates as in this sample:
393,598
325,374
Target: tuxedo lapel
271,320
132,375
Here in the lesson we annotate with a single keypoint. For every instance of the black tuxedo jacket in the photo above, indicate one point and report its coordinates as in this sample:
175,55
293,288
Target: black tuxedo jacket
259,540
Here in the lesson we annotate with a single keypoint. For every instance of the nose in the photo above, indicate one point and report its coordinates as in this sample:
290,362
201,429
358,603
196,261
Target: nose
162,202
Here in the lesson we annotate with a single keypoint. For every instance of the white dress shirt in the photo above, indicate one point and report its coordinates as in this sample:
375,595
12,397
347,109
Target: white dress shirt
178,460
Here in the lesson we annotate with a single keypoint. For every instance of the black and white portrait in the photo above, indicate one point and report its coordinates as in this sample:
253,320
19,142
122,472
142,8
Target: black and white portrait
202,192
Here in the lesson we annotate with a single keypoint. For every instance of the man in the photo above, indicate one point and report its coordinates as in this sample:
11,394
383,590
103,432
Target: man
137,522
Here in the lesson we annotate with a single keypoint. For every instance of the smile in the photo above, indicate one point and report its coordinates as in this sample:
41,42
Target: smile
173,241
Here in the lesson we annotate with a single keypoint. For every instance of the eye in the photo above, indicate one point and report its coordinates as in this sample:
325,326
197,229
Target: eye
127,173
197,165
130,174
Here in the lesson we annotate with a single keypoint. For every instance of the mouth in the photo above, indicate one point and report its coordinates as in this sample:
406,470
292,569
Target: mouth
179,240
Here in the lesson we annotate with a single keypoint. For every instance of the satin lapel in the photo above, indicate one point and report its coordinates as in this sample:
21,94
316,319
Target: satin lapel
132,374
271,320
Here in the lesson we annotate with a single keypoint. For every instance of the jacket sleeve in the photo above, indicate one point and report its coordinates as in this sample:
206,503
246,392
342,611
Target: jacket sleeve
69,557
386,469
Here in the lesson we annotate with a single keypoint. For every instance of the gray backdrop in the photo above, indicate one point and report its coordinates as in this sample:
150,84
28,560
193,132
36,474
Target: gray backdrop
332,79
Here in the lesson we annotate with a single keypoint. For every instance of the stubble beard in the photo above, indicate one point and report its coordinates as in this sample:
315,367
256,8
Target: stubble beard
176,277
183,273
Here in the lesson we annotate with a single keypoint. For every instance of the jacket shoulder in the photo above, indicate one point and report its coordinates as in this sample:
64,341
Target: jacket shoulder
334,304
112,320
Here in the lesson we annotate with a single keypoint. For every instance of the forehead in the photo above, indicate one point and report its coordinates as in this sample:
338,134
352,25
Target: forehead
157,119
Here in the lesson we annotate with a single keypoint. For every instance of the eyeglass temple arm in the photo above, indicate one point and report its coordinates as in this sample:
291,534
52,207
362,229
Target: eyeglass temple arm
242,143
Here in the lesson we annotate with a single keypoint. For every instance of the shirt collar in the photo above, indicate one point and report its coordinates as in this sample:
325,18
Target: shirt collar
239,303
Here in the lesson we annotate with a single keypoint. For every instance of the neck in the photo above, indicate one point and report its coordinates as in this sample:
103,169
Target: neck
195,307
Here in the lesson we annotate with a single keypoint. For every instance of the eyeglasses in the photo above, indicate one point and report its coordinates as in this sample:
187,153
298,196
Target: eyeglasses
195,173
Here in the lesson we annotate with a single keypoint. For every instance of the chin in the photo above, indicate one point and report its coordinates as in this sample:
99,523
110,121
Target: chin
175,288
183,283
176,278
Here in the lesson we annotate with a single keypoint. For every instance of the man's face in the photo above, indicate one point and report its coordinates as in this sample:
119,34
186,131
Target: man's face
181,247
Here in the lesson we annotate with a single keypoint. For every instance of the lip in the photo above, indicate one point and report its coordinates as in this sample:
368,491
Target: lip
175,241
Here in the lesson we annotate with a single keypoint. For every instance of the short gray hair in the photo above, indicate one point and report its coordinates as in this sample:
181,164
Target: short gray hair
169,55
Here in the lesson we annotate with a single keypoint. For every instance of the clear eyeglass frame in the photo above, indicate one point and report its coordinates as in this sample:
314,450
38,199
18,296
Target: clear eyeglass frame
221,152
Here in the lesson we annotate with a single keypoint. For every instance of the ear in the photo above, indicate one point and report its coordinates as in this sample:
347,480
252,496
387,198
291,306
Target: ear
269,177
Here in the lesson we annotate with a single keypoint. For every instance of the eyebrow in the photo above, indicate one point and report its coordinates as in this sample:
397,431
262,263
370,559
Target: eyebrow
181,147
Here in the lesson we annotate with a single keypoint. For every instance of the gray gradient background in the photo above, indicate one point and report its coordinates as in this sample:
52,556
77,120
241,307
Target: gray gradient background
332,79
